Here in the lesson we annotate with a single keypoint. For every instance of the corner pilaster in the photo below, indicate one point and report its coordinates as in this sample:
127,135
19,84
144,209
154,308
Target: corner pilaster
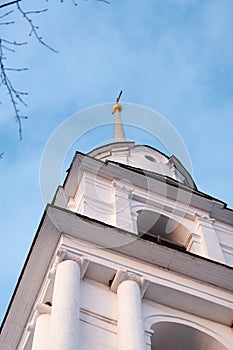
210,243
123,195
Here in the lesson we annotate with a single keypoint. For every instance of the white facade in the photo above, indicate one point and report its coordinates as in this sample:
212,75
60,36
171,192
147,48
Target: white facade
129,256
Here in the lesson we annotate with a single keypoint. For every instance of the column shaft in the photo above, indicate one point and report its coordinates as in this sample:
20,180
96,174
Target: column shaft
130,324
64,334
40,338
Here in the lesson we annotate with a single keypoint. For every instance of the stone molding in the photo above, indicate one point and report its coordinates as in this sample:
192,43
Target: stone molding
71,204
148,335
63,255
123,275
99,205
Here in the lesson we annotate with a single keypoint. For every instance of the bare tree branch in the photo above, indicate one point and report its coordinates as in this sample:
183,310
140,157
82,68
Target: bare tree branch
9,3
16,96
34,28
6,14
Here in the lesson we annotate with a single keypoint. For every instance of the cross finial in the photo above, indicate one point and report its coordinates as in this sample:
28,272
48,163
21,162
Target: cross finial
117,107
118,98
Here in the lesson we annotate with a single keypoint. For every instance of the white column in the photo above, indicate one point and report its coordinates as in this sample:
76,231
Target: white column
64,325
130,329
41,327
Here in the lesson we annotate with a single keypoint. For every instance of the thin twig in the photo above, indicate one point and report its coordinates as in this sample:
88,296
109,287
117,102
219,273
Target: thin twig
16,43
7,23
6,14
14,95
34,28
35,12
106,2
75,3
16,69
7,48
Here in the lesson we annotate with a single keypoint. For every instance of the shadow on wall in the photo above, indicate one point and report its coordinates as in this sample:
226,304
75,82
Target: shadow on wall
175,336
159,228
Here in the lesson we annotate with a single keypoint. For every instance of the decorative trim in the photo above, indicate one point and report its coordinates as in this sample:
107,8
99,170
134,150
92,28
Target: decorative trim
205,218
40,309
227,248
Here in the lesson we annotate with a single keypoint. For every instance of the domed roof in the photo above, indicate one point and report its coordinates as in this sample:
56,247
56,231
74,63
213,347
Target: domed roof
143,157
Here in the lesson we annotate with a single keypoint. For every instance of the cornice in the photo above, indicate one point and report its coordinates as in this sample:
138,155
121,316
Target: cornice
94,231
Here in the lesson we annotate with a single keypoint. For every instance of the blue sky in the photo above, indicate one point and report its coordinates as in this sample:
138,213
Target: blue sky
173,56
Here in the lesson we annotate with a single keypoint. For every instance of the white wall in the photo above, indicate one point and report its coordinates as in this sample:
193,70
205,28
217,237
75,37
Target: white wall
97,317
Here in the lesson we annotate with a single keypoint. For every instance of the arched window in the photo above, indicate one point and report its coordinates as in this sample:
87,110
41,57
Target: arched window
176,336
161,229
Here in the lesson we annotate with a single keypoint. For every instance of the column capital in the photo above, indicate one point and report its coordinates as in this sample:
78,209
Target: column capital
63,255
123,275
123,185
40,309
204,219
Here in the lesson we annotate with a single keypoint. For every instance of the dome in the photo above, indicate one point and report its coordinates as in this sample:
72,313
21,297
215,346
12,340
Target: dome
143,157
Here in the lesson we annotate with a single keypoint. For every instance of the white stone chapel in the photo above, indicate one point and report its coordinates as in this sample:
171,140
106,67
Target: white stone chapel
130,255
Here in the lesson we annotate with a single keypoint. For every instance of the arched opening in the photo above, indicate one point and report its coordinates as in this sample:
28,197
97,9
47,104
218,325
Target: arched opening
161,229
175,336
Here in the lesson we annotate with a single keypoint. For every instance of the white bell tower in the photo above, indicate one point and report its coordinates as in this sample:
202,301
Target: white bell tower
130,255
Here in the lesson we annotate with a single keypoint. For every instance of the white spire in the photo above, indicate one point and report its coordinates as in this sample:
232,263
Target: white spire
119,134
